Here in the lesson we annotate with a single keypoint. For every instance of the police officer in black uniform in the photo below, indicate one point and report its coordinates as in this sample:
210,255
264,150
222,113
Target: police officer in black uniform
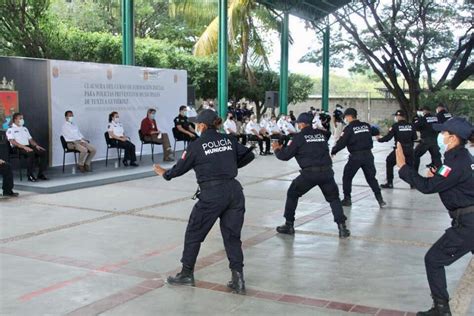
184,129
215,158
454,181
357,136
405,134
442,114
310,148
325,119
424,123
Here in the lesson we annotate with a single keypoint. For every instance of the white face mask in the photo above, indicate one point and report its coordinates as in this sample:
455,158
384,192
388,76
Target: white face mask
116,120
22,122
419,113
346,121
198,131
151,116
70,119
395,119
442,146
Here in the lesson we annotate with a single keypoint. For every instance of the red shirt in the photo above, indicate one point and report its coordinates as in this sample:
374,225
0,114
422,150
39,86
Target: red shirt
148,126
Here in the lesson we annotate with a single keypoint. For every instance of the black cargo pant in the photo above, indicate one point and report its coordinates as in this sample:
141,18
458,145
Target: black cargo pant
34,157
7,175
255,138
425,146
357,160
392,160
217,199
307,180
457,241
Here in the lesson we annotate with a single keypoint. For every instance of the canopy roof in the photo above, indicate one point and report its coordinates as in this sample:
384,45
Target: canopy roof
311,10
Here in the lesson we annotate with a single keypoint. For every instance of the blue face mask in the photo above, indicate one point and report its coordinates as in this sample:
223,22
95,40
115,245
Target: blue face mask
441,144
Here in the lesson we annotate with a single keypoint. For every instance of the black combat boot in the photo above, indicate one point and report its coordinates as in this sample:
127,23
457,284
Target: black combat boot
237,284
379,198
287,228
388,185
440,308
343,231
347,201
185,277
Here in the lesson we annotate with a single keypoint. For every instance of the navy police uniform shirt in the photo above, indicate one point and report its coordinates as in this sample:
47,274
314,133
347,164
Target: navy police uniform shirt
181,120
357,136
309,147
443,116
213,156
403,132
454,181
424,124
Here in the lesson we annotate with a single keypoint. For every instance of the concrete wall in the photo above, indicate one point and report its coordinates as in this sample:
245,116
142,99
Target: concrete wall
369,110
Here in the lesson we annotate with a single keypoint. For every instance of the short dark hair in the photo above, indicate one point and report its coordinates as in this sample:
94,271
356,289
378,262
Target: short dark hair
15,116
111,116
182,107
151,110
67,112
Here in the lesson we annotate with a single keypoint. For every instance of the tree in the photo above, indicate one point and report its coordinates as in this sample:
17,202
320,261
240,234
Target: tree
26,28
246,19
404,41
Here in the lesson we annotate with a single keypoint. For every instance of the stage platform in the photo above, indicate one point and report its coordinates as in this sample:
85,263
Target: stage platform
60,182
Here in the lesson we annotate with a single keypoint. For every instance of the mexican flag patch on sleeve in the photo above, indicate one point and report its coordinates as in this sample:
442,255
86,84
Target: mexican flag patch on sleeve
444,171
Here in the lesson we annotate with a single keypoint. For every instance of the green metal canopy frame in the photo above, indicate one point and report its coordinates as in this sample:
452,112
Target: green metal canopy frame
310,10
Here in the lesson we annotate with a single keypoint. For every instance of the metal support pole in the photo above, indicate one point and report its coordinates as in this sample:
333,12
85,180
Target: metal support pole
128,33
325,88
222,84
283,93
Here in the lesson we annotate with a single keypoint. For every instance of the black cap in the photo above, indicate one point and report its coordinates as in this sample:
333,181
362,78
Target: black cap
401,113
207,117
350,111
457,126
305,118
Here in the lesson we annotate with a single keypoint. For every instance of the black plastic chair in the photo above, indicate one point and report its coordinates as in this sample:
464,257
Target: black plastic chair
178,138
144,142
14,153
66,150
112,144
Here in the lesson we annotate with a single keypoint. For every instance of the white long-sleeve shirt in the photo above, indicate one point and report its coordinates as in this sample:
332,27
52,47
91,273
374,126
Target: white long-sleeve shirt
230,127
71,132
252,126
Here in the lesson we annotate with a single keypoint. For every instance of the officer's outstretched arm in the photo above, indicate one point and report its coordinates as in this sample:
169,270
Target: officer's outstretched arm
341,142
183,165
288,152
387,137
244,155
435,184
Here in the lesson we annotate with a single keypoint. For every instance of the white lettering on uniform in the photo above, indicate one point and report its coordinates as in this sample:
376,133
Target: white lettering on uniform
432,119
314,138
360,129
405,128
217,146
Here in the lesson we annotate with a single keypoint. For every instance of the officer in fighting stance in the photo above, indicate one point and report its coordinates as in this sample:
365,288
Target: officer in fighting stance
357,136
310,148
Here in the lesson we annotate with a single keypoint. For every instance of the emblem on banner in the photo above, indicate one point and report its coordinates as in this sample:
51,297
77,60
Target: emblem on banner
145,74
55,71
175,78
8,102
109,73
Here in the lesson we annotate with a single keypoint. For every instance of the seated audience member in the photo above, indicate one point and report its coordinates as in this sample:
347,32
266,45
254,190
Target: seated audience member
20,138
184,129
230,128
76,141
288,128
252,130
264,131
117,134
151,133
7,182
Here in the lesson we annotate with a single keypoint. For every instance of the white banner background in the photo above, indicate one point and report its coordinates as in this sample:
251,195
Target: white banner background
93,90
